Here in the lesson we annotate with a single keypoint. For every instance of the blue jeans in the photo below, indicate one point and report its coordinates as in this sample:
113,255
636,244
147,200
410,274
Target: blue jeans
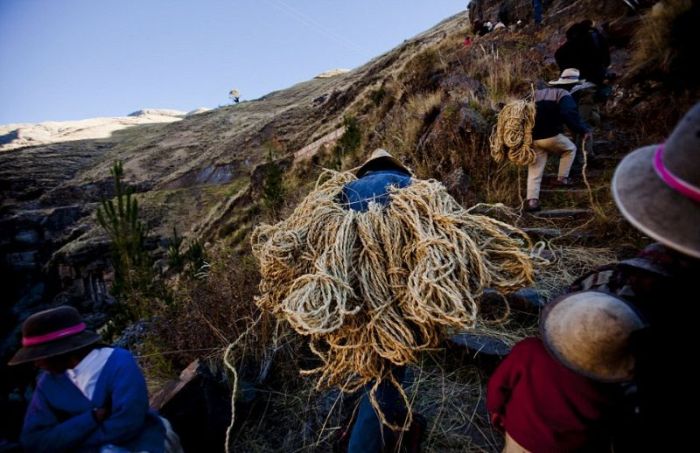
368,434
537,14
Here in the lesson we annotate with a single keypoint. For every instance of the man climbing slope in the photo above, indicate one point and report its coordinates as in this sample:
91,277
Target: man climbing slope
555,107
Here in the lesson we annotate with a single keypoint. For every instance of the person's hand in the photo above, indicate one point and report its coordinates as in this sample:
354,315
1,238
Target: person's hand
588,136
100,414
497,422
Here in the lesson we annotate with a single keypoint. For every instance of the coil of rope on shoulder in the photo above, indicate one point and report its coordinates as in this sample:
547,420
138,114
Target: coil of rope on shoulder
511,136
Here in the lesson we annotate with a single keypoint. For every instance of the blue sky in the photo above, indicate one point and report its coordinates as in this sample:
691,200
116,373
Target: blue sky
74,59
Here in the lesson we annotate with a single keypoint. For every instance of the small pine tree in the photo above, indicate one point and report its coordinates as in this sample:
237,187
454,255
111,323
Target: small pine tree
273,189
348,143
133,272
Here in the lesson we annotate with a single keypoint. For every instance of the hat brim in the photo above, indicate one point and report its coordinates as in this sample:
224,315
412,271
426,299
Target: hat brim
653,207
387,161
43,351
565,82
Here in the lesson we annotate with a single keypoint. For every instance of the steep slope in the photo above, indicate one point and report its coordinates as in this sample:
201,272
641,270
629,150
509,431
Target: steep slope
431,101
181,170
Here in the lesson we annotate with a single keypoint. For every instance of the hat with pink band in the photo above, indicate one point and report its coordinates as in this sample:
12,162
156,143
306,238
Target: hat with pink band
51,333
657,187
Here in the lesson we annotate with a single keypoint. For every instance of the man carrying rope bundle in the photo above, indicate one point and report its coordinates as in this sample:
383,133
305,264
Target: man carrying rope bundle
375,267
555,107
375,177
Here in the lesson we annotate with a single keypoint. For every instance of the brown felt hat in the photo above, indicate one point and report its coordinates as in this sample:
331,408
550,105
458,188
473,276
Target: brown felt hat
381,155
53,332
590,333
650,193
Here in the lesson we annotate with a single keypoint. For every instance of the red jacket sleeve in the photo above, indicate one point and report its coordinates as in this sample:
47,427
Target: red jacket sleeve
503,380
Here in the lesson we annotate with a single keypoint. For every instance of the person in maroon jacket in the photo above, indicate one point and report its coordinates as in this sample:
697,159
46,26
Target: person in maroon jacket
555,394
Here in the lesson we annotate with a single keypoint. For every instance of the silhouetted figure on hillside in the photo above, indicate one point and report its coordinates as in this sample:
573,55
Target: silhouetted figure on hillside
585,49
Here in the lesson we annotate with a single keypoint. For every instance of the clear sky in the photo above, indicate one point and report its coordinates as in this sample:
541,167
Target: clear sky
75,59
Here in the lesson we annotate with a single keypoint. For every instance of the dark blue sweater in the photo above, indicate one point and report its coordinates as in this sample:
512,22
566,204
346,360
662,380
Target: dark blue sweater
59,418
556,107
373,186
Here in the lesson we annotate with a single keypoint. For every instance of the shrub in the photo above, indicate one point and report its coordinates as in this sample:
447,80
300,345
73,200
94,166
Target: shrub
348,143
135,283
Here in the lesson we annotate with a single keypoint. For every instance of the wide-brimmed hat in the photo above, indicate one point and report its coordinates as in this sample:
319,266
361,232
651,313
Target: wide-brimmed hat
53,332
657,187
590,333
569,76
380,157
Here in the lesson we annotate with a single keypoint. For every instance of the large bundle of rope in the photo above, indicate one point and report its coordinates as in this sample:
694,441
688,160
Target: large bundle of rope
372,289
512,134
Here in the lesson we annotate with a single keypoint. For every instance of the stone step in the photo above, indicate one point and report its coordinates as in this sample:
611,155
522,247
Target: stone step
481,344
550,233
526,298
572,190
562,213
570,197
543,233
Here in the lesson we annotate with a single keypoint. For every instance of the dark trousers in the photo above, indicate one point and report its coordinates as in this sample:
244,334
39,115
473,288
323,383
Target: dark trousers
537,11
368,434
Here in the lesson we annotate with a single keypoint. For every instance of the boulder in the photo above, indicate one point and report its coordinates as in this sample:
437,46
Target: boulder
198,405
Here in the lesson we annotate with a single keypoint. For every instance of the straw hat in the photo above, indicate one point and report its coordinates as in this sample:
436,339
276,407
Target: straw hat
589,332
53,332
657,187
569,76
380,157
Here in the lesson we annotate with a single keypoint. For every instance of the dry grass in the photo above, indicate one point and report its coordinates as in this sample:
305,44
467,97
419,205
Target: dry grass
564,264
501,70
452,399
653,46
210,313
448,391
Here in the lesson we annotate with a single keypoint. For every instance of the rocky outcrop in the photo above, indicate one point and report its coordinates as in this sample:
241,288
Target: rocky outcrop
198,406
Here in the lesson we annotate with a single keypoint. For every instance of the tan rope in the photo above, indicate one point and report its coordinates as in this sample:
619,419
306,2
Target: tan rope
234,380
372,289
512,134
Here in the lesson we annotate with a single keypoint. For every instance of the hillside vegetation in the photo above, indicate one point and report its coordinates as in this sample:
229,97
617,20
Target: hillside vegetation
214,176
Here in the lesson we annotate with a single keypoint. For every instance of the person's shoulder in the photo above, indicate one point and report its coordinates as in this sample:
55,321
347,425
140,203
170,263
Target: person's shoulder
121,355
45,378
121,352
529,345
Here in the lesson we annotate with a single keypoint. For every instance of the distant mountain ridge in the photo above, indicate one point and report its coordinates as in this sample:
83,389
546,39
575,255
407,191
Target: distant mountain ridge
19,135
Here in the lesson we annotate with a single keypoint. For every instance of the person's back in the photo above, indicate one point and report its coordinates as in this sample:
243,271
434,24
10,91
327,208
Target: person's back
555,107
558,393
548,407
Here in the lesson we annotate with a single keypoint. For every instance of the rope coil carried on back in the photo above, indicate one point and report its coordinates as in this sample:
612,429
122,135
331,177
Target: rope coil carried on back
512,134
370,290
